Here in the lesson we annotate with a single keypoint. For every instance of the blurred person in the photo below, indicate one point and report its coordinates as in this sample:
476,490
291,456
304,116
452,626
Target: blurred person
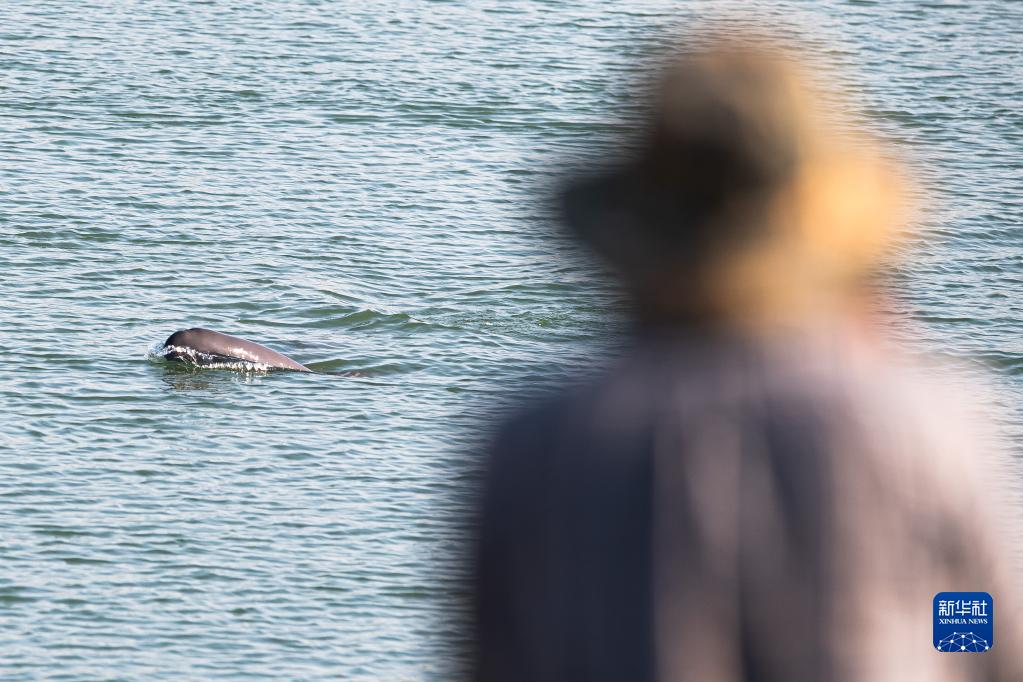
762,487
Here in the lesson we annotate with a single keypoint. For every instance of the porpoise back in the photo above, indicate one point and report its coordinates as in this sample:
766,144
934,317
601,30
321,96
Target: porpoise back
205,346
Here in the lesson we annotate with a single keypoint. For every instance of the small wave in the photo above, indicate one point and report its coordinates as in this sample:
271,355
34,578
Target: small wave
350,369
1002,361
364,319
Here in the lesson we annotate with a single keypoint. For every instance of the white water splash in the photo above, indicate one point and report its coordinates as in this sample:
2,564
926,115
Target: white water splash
196,358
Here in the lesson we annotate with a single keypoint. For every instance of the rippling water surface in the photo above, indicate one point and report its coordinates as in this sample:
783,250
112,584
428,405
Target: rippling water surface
355,184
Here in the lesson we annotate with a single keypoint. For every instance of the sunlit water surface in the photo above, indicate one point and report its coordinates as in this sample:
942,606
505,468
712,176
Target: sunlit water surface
356,185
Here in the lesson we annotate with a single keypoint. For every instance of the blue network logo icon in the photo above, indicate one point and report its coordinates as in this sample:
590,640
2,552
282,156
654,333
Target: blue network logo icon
963,641
964,622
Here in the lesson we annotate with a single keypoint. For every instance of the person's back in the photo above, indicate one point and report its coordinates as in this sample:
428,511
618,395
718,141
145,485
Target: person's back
758,490
721,509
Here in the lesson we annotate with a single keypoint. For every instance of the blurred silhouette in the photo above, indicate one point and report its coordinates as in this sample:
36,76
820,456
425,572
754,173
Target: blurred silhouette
762,488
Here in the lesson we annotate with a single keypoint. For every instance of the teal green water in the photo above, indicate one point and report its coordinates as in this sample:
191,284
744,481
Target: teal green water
356,185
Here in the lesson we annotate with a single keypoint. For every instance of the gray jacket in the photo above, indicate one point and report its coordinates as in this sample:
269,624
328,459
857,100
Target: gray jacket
719,508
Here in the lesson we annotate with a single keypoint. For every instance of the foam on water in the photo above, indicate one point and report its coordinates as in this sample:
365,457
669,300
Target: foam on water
197,358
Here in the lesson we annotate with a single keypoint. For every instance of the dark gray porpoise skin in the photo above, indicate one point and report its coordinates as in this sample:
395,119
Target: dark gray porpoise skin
210,346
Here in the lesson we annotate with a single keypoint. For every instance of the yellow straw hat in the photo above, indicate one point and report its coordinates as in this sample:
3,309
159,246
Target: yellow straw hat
743,199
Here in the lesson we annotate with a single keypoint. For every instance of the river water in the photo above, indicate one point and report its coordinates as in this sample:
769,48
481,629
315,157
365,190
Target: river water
359,185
